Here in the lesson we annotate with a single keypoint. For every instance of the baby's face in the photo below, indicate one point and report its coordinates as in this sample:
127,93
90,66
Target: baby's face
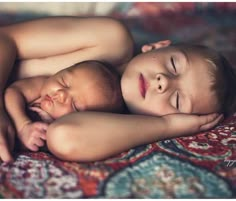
75,89
167,81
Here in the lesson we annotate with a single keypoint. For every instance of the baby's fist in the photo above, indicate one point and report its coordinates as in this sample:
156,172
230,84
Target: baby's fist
33,135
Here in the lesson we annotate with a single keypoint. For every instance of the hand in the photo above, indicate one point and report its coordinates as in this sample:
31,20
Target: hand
7,137
32,135
186,124
43,115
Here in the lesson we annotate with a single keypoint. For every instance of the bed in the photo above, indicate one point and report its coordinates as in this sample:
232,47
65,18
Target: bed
199,166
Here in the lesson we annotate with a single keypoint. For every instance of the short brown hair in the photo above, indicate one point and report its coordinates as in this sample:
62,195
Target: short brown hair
224,85
223,75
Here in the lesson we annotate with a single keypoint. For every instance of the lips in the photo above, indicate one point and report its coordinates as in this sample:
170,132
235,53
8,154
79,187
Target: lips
47,97
142,85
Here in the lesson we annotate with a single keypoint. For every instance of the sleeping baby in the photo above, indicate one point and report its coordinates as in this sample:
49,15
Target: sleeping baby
86,86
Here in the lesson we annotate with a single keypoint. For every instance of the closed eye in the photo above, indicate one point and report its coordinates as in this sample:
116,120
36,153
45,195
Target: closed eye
177,101
173,64
73,106
63,82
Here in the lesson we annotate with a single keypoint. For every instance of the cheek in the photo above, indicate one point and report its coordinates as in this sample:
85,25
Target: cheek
56,110
130,86
50,87
59,111
45,89
158,106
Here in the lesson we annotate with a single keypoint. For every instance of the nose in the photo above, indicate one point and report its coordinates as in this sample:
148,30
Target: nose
60,96
162,83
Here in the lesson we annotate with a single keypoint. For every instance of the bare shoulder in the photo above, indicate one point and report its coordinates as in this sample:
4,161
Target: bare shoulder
30,82
115,39
88,32
47,45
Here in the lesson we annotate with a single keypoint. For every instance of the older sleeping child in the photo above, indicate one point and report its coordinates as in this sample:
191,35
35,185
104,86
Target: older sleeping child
84,86
172,90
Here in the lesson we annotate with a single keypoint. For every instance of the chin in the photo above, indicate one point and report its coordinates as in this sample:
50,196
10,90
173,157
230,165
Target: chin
136,110
140,111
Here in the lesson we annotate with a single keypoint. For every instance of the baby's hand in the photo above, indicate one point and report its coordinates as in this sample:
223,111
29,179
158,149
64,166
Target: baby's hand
43,115
186,124
32,135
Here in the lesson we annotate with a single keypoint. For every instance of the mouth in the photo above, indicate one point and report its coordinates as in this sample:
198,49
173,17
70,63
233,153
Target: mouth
142,85
48,98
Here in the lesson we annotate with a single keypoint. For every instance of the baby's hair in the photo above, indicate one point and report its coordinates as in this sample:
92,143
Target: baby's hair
112,89
223,75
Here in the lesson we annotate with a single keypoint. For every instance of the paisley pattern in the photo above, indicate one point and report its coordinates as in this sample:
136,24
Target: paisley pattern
161,176
199,166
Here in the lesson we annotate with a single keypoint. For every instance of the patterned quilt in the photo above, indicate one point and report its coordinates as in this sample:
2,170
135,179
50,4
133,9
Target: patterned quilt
199,166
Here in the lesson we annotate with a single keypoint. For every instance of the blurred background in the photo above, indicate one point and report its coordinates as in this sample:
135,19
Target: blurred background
212,24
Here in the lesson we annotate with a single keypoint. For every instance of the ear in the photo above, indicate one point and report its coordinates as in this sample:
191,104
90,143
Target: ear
156,45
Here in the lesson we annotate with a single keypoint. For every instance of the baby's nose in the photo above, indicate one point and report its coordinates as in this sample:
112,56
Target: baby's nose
162,83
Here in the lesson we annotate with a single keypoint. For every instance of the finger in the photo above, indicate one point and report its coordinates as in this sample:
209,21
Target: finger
43,136
33,147
38,142
4,151
211,124
204,119
35,109
11,137
42,126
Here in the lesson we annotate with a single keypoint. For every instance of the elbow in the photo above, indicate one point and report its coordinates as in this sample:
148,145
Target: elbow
69,144
58,142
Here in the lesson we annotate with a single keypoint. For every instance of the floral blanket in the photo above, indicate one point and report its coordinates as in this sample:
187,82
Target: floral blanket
200,166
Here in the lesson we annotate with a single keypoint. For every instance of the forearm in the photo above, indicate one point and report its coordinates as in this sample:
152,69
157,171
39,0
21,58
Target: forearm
48,45
93,136
7,58
15,106
52,36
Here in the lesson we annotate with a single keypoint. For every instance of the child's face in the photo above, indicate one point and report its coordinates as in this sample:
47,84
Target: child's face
73,89
167,81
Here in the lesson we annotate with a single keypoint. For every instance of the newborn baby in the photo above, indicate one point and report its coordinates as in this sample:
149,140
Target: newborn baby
85,86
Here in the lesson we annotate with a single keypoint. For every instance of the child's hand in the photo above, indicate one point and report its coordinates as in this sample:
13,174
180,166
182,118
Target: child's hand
32,135
184,124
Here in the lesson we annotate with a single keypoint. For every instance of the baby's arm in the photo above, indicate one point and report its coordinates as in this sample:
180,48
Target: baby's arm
16,98
89,136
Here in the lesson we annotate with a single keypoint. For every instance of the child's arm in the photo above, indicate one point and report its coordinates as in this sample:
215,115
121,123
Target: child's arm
50,44
16,98
89,136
